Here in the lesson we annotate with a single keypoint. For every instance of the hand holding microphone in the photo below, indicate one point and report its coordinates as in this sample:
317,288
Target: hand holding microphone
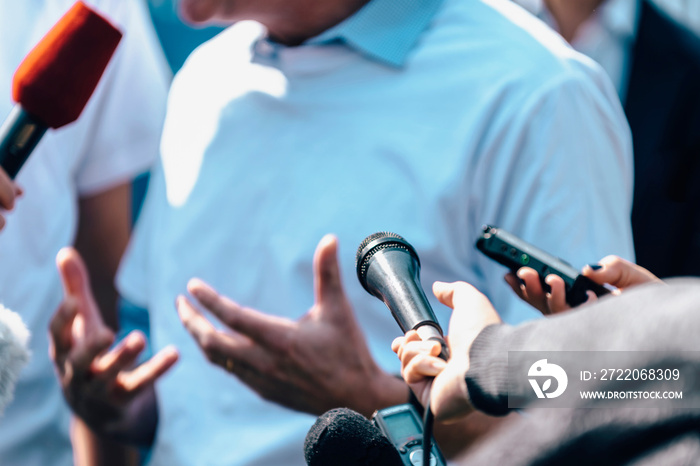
419,359
51,87
388,268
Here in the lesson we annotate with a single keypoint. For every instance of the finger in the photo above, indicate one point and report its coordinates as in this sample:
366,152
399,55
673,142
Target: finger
328,288
533,292
412,349
74,275
472,310
514,282
619,273
266,329
76,283
2,222
396,344
120,357
146,374
195,323
60,330
556,298
455,294
411,335
592,297
421,367
215,345
7,191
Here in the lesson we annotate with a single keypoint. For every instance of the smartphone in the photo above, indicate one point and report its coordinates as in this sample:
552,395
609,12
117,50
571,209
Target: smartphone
511,251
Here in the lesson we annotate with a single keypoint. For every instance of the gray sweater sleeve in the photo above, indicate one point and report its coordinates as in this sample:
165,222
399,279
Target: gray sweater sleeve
651,318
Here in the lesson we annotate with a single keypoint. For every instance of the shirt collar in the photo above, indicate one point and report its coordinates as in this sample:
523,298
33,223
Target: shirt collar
384,30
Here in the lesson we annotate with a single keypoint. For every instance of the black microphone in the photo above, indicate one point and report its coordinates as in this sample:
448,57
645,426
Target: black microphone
343,437
388,268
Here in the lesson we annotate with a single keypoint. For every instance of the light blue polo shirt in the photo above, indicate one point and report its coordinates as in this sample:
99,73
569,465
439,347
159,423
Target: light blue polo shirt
394,120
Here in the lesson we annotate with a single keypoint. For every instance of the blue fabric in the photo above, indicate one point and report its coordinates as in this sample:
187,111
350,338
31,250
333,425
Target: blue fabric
382,30
385,30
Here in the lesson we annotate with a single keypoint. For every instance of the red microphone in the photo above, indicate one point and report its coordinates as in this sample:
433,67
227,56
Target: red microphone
55,80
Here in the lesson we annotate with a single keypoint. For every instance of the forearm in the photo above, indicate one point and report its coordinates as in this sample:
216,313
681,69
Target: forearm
133,421
103,233
90,449
647,320
110,436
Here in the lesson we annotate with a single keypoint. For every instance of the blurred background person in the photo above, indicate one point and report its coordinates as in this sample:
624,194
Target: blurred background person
77,190
654,62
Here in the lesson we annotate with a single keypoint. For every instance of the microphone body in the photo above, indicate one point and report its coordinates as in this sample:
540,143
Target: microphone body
55,80
19,135
388,268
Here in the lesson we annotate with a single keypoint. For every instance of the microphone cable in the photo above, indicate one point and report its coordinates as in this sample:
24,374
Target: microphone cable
428,421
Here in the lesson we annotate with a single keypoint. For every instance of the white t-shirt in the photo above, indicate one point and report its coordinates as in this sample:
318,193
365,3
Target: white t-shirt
492,119
115,138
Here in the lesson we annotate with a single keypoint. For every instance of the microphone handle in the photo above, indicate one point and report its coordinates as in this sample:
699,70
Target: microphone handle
19,135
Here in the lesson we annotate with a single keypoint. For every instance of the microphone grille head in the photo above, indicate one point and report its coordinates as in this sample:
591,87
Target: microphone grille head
373,244
57,77
343,437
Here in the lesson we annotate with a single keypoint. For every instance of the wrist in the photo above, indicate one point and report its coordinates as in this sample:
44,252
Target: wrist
386,390
133,423
449,395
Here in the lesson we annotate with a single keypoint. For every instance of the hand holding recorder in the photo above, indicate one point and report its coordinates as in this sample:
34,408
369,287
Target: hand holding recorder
549,283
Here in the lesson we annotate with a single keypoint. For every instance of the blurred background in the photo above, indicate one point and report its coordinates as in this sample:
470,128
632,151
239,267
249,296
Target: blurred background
177,38
685,11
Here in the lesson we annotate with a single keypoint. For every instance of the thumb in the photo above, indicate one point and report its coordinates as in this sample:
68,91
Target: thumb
471,305
618,272
457,294
328,288
76,285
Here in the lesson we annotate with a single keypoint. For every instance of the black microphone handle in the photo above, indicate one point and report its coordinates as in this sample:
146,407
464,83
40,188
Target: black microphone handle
403,295
19,135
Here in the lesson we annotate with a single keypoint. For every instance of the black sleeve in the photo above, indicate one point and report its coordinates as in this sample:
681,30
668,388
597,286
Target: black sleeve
649,318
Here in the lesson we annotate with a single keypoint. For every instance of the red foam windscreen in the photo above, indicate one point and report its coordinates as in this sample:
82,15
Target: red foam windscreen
56,79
